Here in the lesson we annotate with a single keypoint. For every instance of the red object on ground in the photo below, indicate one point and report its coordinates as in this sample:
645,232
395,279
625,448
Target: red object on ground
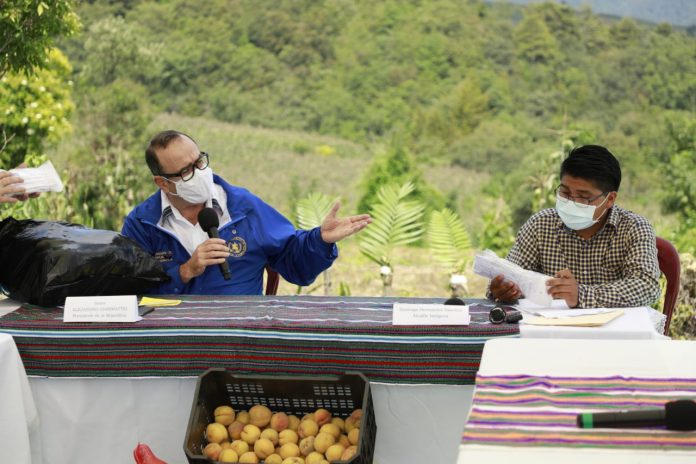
144,455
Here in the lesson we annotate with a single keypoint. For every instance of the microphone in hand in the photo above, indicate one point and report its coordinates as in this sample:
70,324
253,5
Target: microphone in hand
209,221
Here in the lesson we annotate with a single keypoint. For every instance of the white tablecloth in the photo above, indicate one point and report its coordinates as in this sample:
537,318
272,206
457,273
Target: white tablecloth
113,415
633,324
18,416
639,358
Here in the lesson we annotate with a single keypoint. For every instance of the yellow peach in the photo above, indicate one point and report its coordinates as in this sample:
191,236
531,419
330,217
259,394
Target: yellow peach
334,452
224,415
307,428
332,429
270,434
289,450
228,455
354,436
306,445
215,433
322,416
338,422
212,450
293,460
343,439
349,452
263,448
273,459
250,433
314,457
249,458
235,430
323,441
259,415
243,417
287,436
239,446
293,422
279,421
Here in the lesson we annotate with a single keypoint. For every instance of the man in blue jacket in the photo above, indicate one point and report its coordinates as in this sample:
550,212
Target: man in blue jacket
252,233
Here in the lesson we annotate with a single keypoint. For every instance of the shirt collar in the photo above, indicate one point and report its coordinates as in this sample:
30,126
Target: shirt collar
613,216
169,210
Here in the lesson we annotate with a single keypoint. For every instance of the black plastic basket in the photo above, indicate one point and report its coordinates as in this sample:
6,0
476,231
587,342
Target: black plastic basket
341,395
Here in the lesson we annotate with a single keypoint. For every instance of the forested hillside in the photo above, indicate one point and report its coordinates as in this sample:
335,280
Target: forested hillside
475,103
494,88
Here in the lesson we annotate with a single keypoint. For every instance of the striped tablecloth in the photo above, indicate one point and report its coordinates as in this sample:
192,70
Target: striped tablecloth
256,335
521,410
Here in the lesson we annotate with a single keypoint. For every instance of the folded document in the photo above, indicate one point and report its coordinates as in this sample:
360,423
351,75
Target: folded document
532,284
41,179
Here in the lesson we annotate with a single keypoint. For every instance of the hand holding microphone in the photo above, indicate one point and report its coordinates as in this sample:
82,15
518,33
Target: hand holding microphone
212,251
209,222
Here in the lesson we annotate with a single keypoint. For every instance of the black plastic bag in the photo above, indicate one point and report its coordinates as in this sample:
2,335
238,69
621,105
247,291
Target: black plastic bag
42,262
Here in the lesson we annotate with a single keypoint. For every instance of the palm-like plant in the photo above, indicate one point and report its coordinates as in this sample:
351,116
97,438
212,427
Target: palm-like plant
395,222
449,240
311,212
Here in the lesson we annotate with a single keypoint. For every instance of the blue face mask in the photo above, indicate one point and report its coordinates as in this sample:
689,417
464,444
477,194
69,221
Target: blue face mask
577,216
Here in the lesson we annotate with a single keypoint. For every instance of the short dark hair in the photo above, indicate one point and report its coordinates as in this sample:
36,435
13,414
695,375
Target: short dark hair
161,140
596,164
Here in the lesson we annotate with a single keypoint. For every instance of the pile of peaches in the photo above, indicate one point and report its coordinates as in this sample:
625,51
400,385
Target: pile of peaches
262,436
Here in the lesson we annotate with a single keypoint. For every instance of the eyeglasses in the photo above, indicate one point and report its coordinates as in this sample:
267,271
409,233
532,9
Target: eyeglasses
563,195
187,173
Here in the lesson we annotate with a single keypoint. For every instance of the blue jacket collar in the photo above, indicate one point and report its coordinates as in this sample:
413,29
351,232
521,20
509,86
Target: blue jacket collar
151,209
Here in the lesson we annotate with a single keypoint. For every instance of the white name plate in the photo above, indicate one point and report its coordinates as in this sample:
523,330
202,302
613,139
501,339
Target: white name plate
121,308
430,314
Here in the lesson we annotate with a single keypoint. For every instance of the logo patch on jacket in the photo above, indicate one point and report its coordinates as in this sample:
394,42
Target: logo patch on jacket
237,247
164,256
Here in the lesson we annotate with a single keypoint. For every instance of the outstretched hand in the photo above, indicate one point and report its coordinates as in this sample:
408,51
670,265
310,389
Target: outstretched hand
334,228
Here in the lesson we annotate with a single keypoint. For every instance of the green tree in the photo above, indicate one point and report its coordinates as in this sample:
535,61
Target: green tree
535,43
36,109
27,31
680,185
396,167
496,233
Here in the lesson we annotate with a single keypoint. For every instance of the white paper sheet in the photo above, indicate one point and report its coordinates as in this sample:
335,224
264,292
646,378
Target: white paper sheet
532,284
41,179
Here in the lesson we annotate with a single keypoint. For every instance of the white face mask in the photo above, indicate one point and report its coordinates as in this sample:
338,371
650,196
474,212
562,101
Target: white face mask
196,190
576,216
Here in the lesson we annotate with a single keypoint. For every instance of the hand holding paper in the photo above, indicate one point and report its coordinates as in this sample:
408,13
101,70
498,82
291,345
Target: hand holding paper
41,179
532,284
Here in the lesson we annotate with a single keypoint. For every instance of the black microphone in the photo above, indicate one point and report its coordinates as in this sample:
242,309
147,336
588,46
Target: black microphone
677,415
208,219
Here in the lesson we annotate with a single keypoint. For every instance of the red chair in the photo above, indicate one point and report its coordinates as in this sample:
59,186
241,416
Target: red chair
668,259
273,279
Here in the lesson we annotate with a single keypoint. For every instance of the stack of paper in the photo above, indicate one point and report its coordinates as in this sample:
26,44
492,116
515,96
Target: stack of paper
558,313
532,284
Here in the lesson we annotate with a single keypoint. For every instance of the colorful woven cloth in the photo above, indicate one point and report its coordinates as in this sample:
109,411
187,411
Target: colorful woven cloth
256,335
541,411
